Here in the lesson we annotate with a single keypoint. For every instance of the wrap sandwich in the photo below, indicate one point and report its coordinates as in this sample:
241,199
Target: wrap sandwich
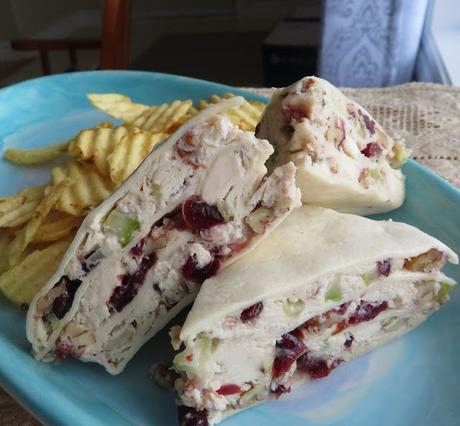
199,200
324,288
344,158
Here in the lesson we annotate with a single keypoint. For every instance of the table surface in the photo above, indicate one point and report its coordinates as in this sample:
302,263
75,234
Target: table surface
427,116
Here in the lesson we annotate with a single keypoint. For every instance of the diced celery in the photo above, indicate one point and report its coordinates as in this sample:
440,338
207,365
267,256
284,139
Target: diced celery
122,225
334,294
198,360
375,174
293,308
444,291
183,361
400,154
155,191
369,277
55,323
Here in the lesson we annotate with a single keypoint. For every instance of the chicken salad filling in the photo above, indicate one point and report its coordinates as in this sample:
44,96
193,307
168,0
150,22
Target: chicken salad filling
279,345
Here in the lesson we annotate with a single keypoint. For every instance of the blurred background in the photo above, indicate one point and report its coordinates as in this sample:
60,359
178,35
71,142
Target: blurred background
357,43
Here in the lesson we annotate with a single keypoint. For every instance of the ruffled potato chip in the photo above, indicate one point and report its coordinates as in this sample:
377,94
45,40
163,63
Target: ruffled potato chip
5,239
12,254
161,118
97,144
130,152
245,116
86,190
21,283
19,208
34,155
117,105
56,226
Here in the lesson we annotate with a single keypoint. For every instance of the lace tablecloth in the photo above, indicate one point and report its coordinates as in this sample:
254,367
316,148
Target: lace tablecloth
426,115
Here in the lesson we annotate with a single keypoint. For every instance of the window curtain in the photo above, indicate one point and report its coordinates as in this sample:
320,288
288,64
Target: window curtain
371,43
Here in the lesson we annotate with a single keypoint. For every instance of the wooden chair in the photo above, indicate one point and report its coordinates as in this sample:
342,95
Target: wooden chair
114,42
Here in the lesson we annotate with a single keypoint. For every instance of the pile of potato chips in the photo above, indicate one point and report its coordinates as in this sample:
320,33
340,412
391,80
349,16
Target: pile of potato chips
38,223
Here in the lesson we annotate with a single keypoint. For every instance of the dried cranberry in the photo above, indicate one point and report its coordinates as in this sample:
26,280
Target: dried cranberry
288,349
342,308
63,302
384,267
252,312
366,311
138,249
316,368
228,389
65,349
192,273
349,342
372,149
173,219
282,363
200,215
291,343
131,283
368,122
280,390
188,416
178,222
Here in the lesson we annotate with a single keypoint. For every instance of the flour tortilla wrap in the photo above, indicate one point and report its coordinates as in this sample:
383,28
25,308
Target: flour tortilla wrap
199,201
324,288
344,158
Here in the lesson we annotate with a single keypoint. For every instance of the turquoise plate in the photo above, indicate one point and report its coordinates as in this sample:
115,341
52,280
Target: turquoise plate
413,381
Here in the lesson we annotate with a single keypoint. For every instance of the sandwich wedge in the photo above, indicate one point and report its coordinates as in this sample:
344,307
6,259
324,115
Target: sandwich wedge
344,158
199,201
324,288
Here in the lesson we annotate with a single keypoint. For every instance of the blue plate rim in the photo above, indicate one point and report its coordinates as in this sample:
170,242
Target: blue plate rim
132,72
